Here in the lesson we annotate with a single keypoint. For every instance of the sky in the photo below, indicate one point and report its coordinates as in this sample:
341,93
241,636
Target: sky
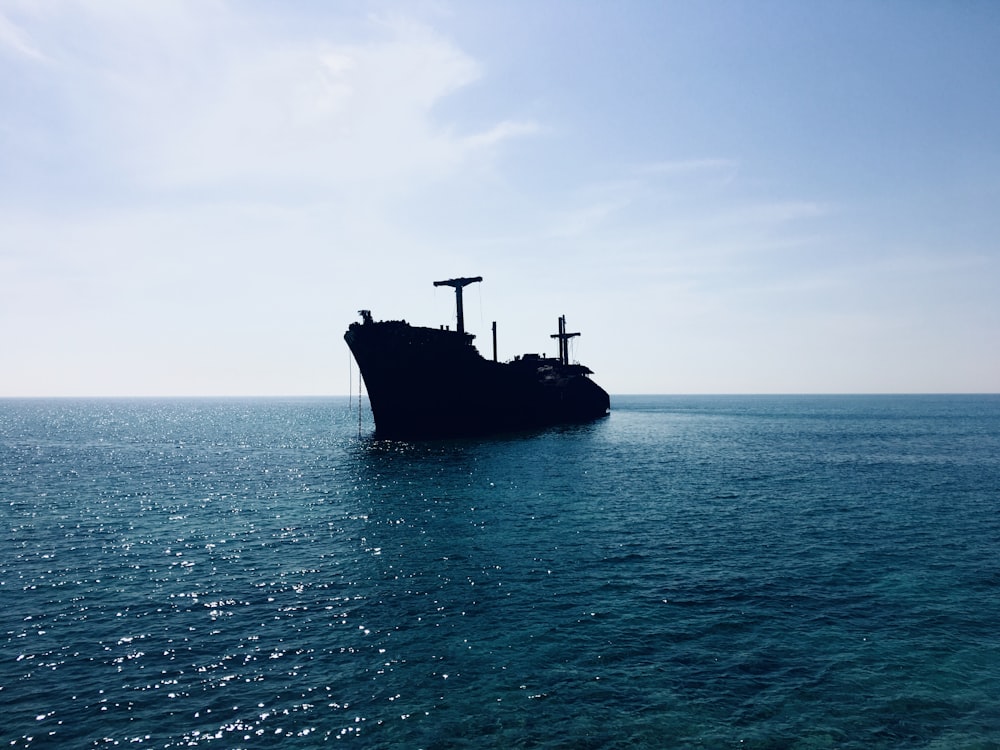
769,196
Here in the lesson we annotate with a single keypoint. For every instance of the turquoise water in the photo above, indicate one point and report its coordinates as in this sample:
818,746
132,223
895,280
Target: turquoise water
745,572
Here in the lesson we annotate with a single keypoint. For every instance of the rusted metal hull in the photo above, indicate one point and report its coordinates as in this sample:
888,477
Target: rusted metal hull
427,382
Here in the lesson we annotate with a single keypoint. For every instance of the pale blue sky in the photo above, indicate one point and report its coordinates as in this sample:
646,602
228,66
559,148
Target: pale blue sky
724,197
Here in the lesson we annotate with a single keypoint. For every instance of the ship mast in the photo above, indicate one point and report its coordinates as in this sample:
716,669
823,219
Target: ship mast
563,340
459,284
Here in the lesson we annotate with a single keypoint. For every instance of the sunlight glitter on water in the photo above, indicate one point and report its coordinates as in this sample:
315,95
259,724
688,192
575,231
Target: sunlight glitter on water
728,570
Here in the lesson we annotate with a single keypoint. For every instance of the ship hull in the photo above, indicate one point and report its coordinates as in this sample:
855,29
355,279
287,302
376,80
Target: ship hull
426,382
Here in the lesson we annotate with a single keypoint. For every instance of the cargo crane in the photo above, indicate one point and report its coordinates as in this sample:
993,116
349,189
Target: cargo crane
459,285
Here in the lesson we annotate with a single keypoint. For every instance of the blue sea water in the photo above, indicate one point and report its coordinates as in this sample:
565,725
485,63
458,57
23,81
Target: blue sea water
703,572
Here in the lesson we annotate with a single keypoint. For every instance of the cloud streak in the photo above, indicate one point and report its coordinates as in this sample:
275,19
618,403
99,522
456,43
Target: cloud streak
188,97
16,42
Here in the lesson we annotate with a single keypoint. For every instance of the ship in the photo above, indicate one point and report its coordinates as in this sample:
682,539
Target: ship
427,382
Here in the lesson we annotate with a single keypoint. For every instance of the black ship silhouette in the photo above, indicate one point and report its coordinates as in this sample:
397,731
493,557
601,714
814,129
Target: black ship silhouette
433,382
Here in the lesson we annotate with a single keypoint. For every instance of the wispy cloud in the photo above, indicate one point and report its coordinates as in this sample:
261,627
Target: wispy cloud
688,168
14,40
663,197
777,212
188,95
500,132
585,219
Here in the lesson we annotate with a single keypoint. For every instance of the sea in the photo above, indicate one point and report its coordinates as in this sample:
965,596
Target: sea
690,572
